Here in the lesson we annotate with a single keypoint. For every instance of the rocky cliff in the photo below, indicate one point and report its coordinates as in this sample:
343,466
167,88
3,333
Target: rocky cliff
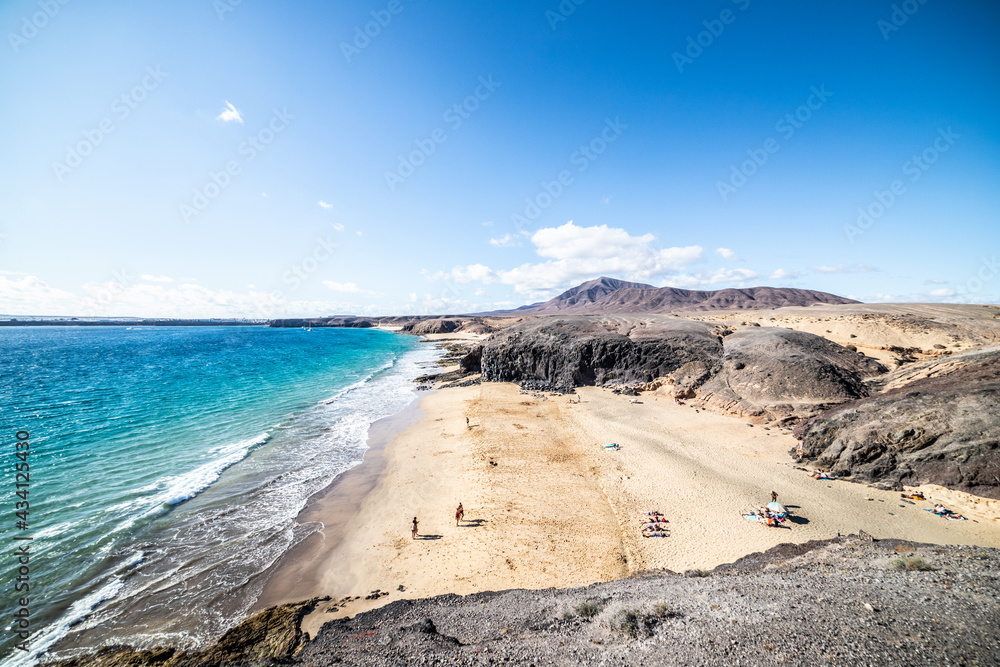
943,429
756,372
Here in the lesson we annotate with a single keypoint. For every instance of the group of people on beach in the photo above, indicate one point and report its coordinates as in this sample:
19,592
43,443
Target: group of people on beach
459,516
654,525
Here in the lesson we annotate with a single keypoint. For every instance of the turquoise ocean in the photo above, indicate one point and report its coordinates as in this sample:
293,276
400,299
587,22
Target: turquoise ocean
168,464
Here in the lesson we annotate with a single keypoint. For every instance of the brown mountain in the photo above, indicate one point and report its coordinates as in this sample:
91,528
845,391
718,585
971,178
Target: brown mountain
609,295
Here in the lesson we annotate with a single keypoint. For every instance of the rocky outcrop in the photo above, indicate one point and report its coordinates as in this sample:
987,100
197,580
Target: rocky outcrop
563,353
943,430
782,374
271,637
755,372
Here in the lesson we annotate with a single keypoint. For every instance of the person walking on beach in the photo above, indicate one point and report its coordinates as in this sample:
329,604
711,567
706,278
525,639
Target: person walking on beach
466,422
774,496
413,530
459,514
800,450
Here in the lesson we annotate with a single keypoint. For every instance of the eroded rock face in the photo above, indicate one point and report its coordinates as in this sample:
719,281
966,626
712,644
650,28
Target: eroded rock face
785,374
755,372
562,353
939,430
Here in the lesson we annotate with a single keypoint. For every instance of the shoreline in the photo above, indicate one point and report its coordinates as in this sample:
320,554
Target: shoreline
548,507
334,507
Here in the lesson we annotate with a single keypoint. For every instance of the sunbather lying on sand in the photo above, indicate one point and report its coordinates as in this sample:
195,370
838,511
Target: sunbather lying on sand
913,496
946,513
819,474
655,533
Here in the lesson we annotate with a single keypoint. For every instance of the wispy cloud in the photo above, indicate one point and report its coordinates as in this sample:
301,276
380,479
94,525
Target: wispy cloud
156,279
506,241
341,287
717,277
230,114
324,205
781,274
726,253
840,268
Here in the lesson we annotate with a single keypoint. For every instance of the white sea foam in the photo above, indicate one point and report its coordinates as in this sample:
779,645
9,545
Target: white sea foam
362,382
315,447
175,490
76,612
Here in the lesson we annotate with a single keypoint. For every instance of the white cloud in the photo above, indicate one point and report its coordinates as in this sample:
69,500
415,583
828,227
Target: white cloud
481,292
704,278
22,294
30,295
229,114
360,233
468,274
324,205
578,253
942,292
488,223
935,282
781,274
341,287
506,241
156,279
726,253
337,227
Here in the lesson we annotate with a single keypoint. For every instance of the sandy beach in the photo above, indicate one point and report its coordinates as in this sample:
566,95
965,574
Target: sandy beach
547,506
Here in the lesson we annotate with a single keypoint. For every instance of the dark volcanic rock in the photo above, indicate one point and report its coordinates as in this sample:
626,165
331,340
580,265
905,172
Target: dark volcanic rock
755,372
436,326
562,353
782,373
940,430
269,638
841,602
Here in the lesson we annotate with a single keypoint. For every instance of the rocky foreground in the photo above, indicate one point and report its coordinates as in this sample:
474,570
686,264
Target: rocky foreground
848,601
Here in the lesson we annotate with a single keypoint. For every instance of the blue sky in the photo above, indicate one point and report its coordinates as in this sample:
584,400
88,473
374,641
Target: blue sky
249,158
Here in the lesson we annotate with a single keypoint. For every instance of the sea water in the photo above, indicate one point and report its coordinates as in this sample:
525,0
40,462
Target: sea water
168,464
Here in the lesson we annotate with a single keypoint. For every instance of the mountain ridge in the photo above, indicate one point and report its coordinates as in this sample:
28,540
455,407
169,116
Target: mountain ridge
605,295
